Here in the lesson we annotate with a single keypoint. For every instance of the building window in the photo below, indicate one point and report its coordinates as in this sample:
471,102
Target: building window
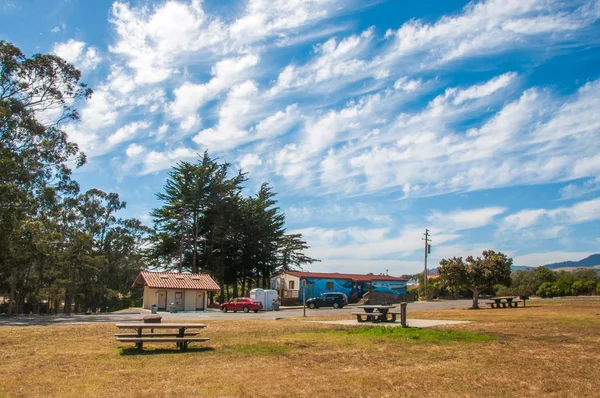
329,285
178,295
291,283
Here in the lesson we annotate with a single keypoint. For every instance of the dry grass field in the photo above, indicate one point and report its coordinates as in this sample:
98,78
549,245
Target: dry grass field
550,349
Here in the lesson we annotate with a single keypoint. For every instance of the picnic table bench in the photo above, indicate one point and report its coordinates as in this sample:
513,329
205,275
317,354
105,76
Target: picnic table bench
504,302
376,313
181,338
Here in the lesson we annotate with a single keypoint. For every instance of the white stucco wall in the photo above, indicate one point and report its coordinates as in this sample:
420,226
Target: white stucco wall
187,302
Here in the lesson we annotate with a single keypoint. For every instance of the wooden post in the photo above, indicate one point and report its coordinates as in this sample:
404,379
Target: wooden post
403,314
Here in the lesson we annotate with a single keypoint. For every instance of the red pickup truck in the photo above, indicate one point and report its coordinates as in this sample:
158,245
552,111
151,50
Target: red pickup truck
241,304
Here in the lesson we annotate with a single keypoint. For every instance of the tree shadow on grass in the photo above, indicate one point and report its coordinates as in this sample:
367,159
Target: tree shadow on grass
505,308
134,351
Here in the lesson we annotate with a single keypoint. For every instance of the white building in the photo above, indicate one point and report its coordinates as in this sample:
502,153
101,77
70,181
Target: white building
187,292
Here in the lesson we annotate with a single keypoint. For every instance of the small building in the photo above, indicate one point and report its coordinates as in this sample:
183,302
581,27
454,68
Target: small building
187,292
374,288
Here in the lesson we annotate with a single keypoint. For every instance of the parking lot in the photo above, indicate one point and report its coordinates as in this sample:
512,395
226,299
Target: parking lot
295,312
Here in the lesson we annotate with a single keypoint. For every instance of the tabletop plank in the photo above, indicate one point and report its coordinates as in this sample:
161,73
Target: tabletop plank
377,306
159,325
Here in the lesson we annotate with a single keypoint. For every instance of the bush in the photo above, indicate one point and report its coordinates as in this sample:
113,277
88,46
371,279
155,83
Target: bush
546,289
580,287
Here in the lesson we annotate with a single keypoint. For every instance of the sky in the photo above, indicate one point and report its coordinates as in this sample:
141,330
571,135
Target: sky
372,120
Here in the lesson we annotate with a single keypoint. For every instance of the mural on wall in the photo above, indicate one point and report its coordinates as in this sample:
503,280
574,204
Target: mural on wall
378,291
315,287
385,291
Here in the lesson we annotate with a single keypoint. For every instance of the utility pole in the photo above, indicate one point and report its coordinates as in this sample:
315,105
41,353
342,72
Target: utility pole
427,251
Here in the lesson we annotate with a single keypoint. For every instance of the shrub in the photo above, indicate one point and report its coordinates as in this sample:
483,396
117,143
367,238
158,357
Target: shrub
546,289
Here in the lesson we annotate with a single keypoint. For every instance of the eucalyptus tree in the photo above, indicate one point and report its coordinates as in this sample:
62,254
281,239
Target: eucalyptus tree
37,95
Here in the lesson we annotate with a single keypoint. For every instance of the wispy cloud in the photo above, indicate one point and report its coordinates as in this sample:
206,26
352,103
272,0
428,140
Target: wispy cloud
78,53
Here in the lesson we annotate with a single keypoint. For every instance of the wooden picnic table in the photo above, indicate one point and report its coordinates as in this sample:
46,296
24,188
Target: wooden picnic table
504,302
376,313
181,337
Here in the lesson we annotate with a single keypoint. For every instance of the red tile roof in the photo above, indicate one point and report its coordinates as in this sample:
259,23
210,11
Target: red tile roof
352,277
175,280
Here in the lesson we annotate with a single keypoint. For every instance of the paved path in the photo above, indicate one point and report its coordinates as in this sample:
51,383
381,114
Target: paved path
41,320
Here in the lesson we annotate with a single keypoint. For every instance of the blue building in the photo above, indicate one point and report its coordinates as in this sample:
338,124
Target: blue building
374,289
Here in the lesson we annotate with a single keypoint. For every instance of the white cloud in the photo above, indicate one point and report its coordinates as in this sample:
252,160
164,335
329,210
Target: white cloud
226,73
157,40
434,156
278,123
489,27
190,123
263,18
58,28
248,161
127,132
334,59
154,41
365,244
134,150
464,219
76,52
576,190
578,213
156,161
334,212
238,110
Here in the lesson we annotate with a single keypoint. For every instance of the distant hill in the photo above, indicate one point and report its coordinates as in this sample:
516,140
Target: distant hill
592,261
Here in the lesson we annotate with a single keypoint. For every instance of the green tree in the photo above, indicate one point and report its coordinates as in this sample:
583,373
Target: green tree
292,253
476,274
546,289
37,95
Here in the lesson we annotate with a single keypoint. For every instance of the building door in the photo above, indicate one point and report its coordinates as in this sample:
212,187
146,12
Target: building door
161,299
200,300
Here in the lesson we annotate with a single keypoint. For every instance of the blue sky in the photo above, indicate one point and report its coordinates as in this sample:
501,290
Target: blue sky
373,120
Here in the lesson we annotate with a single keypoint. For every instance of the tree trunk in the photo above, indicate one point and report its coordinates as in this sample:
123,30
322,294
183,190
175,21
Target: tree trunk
475,299
222,286
244,286
235,288
13,289
195,254
68,302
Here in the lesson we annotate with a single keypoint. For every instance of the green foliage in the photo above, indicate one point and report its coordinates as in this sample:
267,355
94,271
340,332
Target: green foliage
546,289
206,225
56,246
423,336
578,282
476,274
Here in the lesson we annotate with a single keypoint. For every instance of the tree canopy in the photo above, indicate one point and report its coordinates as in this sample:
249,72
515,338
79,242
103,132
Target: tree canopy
206,225
476,274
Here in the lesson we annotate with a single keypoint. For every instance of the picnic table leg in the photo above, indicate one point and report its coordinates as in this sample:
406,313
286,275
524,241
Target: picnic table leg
181,334
139,344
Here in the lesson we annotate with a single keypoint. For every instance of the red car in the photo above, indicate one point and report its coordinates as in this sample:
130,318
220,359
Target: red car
241,304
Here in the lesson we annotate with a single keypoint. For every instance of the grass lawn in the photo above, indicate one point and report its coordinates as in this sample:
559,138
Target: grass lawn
549,349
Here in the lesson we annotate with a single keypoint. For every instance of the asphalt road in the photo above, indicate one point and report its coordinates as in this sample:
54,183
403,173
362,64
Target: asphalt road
41,320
